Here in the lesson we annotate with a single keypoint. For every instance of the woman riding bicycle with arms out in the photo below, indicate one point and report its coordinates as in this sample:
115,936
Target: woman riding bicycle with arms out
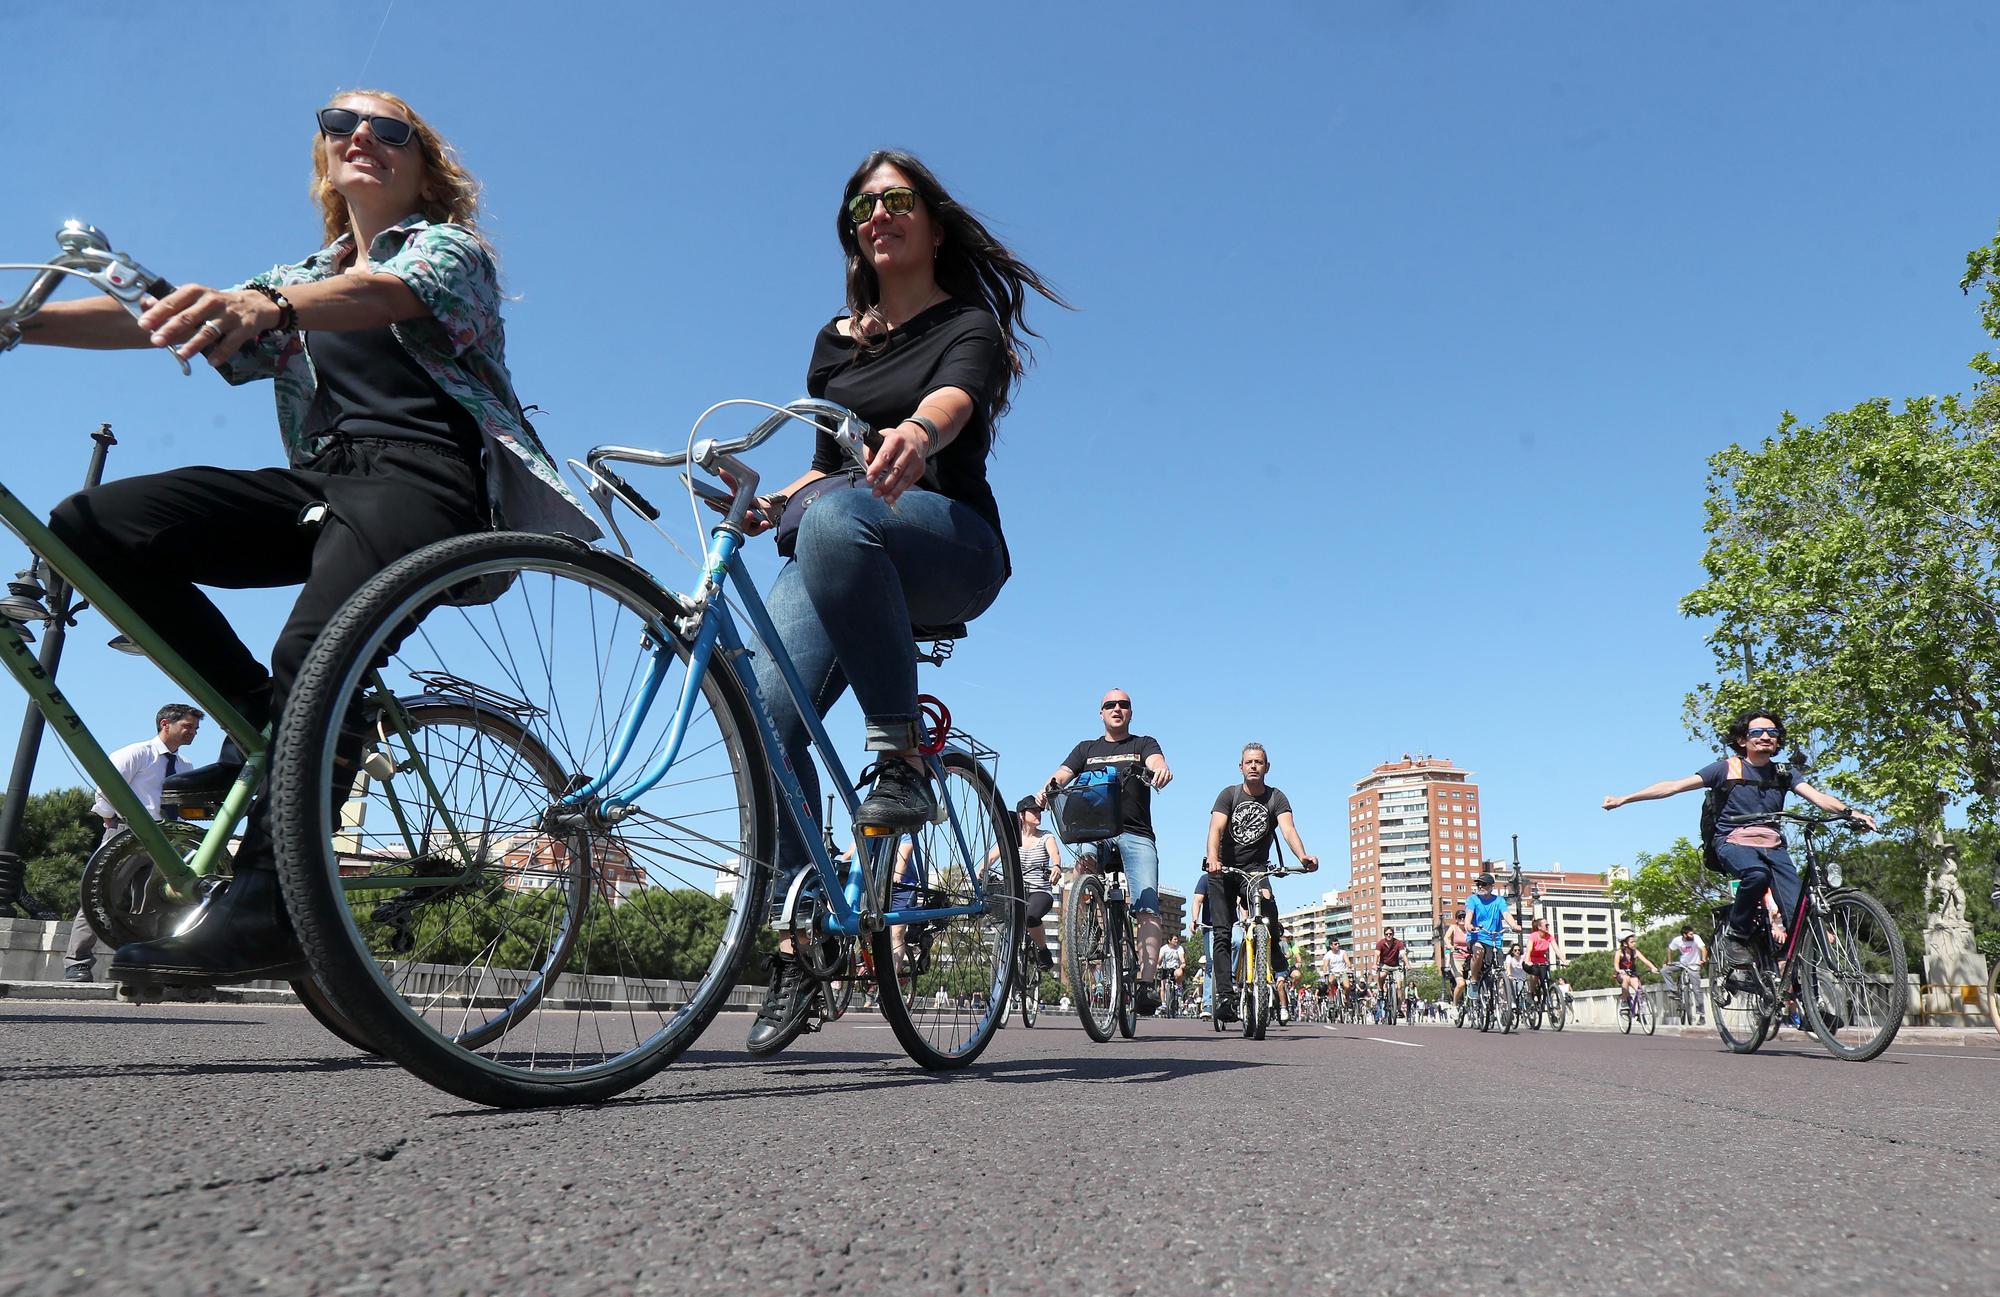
394,402
926,353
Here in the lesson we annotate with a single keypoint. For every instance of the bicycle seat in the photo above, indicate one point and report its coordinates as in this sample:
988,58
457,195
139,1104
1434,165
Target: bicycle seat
203,786
944,630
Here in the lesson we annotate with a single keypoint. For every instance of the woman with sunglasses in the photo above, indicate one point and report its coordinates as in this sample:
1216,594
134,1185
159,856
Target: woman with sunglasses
388,358
1748,785
926,352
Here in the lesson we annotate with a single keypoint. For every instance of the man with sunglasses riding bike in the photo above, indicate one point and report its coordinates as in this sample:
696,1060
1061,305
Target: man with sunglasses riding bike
1749,784
1143,767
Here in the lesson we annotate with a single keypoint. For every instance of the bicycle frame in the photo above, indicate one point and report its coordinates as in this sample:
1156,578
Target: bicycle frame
179,876
853,903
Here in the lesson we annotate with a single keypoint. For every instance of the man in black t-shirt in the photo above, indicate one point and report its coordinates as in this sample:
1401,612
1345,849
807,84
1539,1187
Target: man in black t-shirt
1241,825
1139,759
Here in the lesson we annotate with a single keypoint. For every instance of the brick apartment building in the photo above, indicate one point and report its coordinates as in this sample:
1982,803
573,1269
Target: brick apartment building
1413,843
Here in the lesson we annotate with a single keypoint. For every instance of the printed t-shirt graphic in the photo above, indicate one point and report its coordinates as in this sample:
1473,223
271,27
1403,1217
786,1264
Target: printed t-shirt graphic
1253,823
1128,757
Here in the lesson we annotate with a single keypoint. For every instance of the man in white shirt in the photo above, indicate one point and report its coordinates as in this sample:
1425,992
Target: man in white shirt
1172,961
1686,954
145,766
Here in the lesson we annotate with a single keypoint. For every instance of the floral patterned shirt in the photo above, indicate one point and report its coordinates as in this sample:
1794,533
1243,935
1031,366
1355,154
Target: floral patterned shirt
461,344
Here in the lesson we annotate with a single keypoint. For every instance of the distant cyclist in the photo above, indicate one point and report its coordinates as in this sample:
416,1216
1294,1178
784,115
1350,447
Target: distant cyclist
1333,965
1625,963
1041,868
1687,954
1488,917
1455,952
1173,962
1388,963
1542,951
1753,785
1137,757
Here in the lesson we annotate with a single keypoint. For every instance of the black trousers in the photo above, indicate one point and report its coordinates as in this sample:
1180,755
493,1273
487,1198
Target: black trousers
156,538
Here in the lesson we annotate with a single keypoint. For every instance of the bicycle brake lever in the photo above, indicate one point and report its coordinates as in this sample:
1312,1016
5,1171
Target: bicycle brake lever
129,284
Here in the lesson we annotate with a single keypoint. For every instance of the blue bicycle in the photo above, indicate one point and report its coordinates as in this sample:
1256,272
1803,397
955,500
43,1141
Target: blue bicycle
551,909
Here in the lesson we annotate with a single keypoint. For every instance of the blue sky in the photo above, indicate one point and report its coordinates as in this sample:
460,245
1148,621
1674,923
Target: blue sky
1403,331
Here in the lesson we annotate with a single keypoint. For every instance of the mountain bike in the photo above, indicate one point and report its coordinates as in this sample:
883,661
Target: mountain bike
630,876
1391,982
1635,1009
1255,966
148,879
1486,999
1100,954
1682,983
1842,959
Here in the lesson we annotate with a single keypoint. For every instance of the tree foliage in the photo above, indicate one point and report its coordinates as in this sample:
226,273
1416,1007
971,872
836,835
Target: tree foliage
58,833
1852,579
1669,886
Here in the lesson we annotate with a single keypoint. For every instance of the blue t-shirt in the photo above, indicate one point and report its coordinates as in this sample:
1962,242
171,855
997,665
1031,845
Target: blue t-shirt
1485,915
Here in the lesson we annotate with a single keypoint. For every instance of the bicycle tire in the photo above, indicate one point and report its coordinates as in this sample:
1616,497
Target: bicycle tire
1740,1018
1558,1012
974,853
1510,1011
1535,1012
326,1014
1854,971
1090,958
527,883
1128,972
1649,1019
1031,988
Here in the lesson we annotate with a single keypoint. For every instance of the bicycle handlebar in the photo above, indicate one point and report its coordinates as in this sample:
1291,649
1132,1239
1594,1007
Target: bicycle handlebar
88,255
1847,817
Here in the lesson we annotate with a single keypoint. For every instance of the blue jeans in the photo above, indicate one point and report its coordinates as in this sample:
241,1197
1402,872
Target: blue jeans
1140,856
1758,869
844,604
1208,964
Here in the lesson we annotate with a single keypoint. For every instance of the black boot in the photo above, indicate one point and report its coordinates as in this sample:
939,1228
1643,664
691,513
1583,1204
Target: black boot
784,1014
240,934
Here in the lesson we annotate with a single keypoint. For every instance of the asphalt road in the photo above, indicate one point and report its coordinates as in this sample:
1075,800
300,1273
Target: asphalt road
194,1149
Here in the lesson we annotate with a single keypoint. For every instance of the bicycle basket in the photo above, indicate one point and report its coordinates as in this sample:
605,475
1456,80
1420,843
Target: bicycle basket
1089,808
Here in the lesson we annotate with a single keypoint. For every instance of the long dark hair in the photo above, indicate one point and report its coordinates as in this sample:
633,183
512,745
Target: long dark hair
971,264
1738,735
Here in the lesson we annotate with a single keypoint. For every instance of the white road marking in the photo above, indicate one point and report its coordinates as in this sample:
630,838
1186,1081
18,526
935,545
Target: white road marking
1406,1044
1984,1058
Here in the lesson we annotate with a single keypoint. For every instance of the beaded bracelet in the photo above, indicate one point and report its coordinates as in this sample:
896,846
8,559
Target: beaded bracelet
288,315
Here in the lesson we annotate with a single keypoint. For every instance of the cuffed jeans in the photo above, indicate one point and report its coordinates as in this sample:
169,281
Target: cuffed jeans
1758,869
861,576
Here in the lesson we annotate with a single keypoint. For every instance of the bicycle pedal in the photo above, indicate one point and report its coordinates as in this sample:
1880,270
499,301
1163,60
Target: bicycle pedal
879,831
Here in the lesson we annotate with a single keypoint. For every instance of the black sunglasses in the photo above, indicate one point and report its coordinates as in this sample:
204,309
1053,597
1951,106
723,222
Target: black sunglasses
898,201
392,131
1113,706
1757,731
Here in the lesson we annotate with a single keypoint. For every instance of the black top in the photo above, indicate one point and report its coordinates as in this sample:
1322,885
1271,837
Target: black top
953,344
1764,795
1253,823
369,386
1128,757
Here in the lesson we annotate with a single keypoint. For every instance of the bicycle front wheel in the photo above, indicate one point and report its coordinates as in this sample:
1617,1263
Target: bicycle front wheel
475,894
1031,989
1091,956
945,1015
1128,973
1854,976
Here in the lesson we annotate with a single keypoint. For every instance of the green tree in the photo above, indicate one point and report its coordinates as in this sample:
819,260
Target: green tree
58,833
1428,983
1669,886
1852,577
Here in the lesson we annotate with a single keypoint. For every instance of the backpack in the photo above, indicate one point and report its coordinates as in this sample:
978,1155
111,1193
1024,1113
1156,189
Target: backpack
1717,798
1090,807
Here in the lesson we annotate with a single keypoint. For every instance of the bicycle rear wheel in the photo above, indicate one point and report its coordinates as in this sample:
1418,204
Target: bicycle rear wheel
945,1016
1648,1019
1558,1011
1031,987
1854,976
1091,956
494,934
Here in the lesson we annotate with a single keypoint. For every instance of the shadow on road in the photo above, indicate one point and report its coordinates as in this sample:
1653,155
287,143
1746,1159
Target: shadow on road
118,1071
129,1019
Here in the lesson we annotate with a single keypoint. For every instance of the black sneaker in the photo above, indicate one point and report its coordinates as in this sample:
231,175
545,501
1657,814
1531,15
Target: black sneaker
1225,1009
1046,959
901,800
1145,999
784,1014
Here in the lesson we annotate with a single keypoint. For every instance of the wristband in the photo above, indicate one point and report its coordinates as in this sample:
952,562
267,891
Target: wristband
288,315
931,428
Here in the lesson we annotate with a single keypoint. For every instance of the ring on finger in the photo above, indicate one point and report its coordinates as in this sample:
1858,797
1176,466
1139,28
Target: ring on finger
211,324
